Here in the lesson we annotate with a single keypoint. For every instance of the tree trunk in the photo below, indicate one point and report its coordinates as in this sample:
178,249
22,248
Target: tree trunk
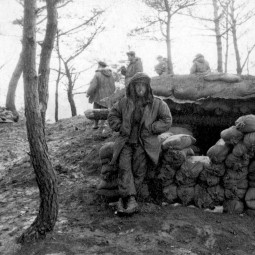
71,102
227,41
234,34
56,98
70,90
218,35
47,47
58,80
45,175
168,45
10,99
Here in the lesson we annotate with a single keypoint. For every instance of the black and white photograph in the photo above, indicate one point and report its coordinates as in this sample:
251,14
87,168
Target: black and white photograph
127,127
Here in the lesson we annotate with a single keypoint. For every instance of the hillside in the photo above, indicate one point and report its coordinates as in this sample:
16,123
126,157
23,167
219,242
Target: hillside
87,223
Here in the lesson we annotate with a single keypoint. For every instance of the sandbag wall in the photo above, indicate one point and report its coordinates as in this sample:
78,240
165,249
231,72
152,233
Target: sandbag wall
225,176
195,181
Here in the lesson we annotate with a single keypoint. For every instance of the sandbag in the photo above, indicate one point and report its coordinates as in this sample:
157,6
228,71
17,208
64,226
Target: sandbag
251,184
209,179
161,86
231,135
231,78
215,169
175,158
182,178
246,124
106,151
227,77
250,198
202,198
233,183
237,175
166,175
194,165
235,193
185,194
218,152
251,176
236,163
216,193
164,136
251,168
180,130
233,206
178,142
170,193
249,140
240,149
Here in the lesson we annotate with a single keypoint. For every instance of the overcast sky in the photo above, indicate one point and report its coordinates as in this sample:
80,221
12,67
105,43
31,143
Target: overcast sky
189,38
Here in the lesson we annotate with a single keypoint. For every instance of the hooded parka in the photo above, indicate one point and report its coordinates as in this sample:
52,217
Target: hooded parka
156,119
200,65
139,121
101,86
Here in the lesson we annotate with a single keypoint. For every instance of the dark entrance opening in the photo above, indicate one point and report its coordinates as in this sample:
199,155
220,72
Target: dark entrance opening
206,137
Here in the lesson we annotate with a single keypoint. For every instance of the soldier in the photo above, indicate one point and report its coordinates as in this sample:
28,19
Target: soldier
135,65
200,65
101,86
139,118
161,67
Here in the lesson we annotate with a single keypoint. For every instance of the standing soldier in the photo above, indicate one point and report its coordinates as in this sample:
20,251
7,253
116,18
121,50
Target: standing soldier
101,86
139,118
135,65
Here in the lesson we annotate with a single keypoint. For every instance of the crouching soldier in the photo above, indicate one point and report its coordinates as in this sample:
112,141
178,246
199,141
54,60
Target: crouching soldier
139,118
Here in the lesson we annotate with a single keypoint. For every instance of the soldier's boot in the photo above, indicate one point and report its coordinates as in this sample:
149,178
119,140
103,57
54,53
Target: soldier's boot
132,205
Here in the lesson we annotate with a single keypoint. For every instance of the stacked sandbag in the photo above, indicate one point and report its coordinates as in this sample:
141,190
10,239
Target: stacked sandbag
209,191
186,177
175,150
235,181
108,183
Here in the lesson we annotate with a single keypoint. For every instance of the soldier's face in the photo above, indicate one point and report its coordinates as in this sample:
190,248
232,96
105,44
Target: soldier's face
140,89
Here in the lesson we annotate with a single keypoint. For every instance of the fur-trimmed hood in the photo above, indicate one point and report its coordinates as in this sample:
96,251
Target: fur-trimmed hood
130,89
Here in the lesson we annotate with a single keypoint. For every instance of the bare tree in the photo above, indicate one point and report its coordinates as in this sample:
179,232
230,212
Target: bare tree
165,10
91,27
214,23
45,175
47,47
238,16
10,99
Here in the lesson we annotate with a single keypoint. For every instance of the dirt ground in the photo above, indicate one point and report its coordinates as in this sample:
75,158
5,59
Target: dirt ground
87,224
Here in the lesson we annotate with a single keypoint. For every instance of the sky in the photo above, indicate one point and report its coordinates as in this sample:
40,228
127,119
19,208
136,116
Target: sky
189,38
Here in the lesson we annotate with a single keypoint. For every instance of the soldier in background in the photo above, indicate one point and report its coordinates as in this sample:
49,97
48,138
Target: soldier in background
135,65
101,86
161,67
200,65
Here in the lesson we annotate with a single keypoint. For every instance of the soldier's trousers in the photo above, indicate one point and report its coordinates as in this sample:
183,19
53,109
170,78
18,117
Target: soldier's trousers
132,169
